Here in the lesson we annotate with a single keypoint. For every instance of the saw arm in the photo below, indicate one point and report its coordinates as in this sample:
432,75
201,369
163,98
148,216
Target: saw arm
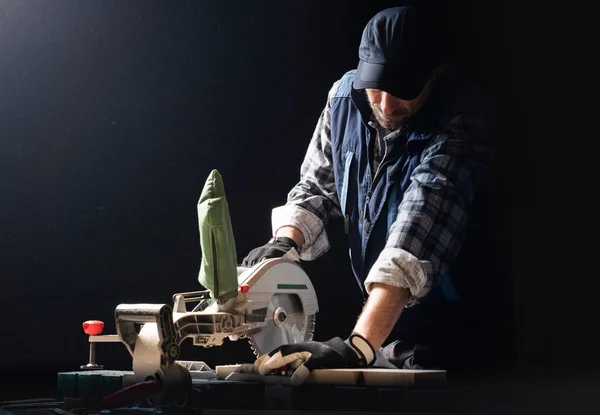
277,305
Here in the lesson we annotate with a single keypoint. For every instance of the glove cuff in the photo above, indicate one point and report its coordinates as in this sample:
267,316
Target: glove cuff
362,348
285,240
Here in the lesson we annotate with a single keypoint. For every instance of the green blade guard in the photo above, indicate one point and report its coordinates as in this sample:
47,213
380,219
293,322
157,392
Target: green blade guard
218,268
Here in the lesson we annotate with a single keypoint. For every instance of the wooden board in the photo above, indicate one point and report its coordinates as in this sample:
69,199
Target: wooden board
362,377
378,377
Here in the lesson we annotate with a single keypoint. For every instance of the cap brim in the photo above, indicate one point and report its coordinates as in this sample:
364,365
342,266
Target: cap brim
400,82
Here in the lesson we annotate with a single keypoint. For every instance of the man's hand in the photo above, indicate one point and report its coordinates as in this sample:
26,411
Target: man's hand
275,248
302,358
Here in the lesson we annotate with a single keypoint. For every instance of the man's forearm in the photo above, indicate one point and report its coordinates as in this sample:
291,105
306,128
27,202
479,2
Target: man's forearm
381,312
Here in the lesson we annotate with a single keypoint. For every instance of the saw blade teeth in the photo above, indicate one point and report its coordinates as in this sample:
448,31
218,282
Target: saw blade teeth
310,327
253,348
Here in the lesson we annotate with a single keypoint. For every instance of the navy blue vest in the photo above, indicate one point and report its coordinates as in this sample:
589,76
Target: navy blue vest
370,203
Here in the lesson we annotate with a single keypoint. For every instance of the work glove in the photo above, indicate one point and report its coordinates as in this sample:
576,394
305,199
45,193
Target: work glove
277,247
302,358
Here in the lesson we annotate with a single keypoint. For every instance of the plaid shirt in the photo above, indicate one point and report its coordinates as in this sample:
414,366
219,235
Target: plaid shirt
432,216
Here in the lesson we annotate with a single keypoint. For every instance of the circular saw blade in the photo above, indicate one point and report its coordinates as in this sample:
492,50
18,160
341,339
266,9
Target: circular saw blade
286,323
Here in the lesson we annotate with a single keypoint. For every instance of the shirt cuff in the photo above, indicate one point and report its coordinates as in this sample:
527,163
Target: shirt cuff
399,268
315,238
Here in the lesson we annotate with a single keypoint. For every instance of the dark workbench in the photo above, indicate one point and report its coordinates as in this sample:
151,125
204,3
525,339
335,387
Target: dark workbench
78,393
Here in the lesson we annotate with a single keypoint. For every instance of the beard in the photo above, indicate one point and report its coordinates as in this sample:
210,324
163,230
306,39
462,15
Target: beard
393,122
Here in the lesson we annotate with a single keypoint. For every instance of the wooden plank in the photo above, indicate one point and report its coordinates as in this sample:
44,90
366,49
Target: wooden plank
343,377
378,377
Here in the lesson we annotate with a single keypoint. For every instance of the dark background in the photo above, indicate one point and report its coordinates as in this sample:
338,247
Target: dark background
114,112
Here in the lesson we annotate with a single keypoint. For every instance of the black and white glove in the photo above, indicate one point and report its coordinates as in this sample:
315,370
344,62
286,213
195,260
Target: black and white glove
302,358
277,247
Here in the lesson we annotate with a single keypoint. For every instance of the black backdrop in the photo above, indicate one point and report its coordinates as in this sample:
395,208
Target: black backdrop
113,113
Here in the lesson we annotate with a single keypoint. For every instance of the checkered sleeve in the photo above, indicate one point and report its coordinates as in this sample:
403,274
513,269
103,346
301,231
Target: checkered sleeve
313,199
432,216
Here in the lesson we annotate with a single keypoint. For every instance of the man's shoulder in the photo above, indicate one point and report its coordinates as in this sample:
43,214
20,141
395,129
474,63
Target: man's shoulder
342,88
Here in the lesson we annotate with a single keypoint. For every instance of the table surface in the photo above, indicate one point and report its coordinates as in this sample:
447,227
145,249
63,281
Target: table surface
507,393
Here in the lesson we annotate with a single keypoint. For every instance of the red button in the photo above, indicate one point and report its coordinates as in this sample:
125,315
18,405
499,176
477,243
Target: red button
93,327
244,288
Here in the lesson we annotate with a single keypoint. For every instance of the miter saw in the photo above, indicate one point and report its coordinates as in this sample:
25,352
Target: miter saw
270,304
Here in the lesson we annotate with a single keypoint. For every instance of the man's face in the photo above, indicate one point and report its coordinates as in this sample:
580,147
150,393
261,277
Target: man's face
391,112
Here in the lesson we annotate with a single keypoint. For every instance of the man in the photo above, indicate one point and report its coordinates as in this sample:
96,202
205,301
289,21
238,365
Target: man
398,152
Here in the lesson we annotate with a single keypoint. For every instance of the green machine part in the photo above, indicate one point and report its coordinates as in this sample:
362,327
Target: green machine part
218,268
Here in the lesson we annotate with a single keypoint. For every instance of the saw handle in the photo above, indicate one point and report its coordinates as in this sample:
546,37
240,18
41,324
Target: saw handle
93,327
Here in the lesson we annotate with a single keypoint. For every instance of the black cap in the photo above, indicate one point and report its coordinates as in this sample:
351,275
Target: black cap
398,50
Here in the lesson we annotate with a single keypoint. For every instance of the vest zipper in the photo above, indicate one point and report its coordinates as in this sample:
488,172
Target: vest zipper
381,167
366,209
